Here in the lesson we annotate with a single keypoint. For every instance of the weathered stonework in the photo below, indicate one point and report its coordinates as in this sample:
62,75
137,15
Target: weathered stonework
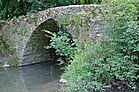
28,40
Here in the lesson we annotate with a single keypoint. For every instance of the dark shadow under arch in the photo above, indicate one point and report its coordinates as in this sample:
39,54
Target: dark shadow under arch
34,51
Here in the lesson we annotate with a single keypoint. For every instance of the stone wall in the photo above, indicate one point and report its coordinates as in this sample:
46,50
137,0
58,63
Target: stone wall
24,33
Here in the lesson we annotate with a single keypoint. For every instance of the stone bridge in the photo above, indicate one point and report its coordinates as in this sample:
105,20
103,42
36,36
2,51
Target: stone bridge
27,39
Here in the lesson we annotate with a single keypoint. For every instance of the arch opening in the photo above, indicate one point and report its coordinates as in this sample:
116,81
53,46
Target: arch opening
34,51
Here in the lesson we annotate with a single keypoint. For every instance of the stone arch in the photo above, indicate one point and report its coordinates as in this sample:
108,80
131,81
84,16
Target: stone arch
85,27
34,51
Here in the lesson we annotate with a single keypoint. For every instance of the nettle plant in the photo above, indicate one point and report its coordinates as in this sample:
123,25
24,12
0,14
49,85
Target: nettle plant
63,43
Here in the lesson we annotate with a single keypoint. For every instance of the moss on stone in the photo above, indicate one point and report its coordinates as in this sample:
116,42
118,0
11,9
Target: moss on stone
13,61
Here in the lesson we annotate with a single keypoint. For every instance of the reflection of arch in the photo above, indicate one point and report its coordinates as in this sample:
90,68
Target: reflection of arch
34,51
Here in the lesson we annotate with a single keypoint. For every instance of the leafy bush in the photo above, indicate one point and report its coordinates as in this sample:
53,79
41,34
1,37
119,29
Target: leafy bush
98,65
12,8
123,29
63,44
113,59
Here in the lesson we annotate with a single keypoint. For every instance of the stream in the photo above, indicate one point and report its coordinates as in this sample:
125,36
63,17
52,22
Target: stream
42,77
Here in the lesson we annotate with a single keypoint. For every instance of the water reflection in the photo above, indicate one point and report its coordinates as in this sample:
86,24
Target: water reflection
36,78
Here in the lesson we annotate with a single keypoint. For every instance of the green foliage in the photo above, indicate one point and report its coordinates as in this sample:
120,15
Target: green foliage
113,59
4,46
6,51
13,61
1,63
123,29
15,8
98,65
12,8
63,43
88,1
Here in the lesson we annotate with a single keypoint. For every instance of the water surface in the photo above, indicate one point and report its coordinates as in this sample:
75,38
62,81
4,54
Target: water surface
35,78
